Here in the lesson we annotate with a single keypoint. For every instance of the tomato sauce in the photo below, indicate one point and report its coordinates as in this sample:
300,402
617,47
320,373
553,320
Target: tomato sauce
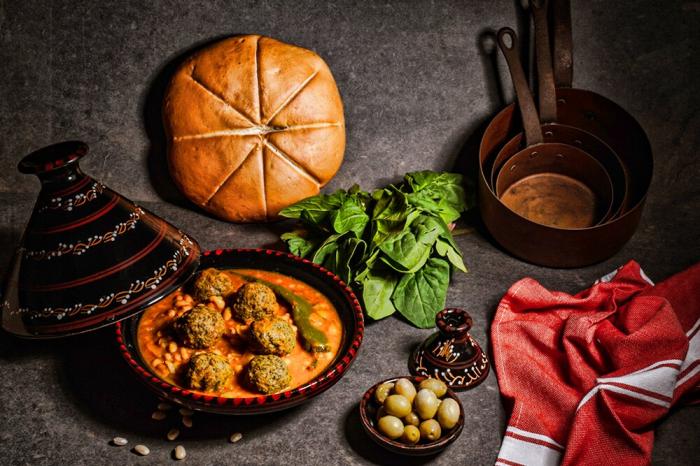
168,359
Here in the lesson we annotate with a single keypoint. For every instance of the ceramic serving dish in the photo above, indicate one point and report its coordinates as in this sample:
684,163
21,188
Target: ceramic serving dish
368,411
340,295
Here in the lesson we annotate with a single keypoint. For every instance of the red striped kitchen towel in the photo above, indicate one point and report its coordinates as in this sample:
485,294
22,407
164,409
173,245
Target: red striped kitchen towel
585,377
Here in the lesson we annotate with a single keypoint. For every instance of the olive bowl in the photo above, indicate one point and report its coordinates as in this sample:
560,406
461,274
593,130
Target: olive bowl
369,408
340,295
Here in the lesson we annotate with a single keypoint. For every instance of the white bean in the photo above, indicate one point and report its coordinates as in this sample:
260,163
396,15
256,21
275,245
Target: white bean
187,421
142,450
235,437
186,412
158,415
119,441
173,433
179,452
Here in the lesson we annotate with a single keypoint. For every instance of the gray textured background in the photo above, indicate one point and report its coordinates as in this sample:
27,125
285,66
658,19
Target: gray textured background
416,84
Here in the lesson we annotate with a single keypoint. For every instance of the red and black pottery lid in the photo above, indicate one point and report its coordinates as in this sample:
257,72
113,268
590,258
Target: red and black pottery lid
451,354
89,256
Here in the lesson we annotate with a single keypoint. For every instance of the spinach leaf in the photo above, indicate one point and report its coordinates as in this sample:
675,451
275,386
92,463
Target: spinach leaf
423,200
347,258
445,249
314,210
377,288
438,193
393,246
367,265
421,295
299,242
351,216
325,254
410,248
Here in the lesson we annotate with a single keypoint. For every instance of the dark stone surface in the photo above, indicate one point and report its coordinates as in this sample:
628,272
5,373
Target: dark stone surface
416,86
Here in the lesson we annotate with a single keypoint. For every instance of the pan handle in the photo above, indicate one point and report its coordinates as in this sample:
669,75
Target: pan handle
543,52
508,42
563,43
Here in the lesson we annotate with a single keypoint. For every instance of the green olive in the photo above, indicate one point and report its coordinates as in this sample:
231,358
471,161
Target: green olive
426,404
430,430
448,413
397,405
412,419
383,391
411,435
436,386
406,388
392,427
381,412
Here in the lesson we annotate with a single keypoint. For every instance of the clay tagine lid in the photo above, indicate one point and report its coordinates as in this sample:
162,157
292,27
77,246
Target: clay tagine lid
88,257
451,354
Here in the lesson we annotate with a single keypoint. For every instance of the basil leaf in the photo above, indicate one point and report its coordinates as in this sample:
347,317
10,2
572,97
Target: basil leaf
350,216
299,243
377,288
421,295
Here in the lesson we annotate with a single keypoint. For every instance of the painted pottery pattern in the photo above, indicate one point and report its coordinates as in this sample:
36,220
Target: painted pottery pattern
75,201
81,246
451,355
120,297
88,256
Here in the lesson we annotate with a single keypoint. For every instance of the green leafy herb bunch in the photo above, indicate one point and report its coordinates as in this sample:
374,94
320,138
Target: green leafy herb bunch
394,246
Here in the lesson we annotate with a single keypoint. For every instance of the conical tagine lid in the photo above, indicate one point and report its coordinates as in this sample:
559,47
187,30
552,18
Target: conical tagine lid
89,257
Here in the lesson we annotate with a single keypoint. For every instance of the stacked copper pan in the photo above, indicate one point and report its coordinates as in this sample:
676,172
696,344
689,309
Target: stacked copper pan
563,183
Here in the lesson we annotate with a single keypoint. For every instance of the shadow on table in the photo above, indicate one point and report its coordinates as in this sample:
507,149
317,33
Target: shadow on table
97,380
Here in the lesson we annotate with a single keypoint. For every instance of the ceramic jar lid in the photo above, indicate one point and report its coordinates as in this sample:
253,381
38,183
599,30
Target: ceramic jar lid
88,257
451,354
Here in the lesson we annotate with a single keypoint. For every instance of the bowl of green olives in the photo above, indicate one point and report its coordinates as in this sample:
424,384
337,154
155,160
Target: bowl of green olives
412,415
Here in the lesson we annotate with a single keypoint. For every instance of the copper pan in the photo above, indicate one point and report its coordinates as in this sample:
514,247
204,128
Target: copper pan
550,183
598,115
554,247
557,132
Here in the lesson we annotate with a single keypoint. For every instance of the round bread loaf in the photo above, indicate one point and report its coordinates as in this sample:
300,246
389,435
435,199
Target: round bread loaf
253,125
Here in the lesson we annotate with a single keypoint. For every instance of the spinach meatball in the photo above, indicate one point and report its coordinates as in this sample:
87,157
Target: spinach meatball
268,374
211,282
200,327
254,301
273,336
207,372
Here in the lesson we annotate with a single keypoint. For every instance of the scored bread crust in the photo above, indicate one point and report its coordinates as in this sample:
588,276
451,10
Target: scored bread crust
253,125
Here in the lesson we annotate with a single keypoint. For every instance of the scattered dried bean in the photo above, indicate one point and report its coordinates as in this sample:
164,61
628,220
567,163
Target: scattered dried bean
142,450
187,421
158,415
119,441
173,433
235,437
179,453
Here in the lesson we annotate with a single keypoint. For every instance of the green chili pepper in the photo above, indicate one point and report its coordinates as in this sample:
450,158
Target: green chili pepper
313,339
